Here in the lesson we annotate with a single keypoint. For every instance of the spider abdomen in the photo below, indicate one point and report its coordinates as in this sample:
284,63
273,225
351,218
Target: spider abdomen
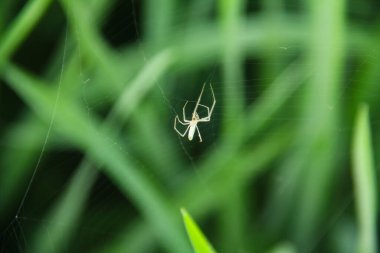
192,131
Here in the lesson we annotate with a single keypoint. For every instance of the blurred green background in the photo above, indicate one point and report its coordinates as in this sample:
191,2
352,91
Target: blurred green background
89,158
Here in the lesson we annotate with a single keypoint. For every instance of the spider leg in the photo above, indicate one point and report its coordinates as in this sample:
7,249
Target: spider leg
207,108
199,99
213,103
199,134
183,123
183,111
175,127
209,111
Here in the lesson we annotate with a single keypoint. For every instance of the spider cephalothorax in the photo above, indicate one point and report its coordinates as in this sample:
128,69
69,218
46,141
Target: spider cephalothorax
195,116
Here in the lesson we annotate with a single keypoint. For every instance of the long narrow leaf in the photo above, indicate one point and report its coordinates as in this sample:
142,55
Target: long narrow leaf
198,240
364,183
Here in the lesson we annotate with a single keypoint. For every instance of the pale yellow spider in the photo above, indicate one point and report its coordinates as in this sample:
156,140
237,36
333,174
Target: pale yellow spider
192,124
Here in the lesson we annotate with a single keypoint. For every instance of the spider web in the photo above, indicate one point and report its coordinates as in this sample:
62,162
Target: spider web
106,220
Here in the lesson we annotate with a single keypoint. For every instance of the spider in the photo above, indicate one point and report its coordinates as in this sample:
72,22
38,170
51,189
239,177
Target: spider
192,124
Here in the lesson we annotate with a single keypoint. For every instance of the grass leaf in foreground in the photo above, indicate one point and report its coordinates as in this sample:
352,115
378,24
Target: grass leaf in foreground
198,240
364,183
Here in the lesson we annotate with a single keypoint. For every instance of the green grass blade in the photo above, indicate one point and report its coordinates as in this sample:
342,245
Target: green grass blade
198,240
317,133
91,44
364,183
160,17
22,26
232,60
231,12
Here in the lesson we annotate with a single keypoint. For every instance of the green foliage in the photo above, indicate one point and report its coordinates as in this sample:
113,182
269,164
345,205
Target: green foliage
89,159
364,182
198,240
